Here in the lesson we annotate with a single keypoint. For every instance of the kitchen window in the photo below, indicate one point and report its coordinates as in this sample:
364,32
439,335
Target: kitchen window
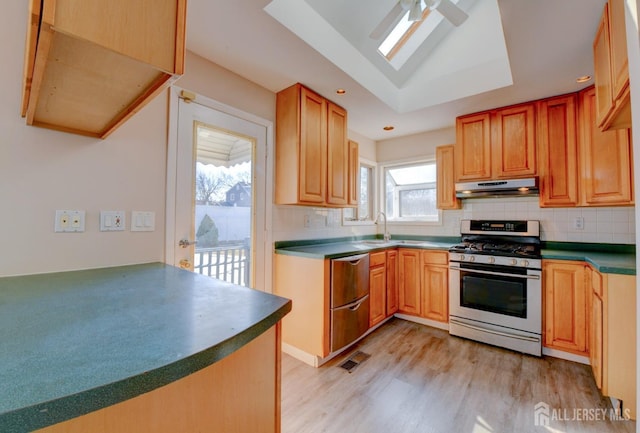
366,194
410,192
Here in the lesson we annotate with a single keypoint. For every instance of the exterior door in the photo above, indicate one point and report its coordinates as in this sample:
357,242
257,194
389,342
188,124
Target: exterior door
218,193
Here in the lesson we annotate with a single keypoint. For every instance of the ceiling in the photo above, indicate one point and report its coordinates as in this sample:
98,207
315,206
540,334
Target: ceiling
508,51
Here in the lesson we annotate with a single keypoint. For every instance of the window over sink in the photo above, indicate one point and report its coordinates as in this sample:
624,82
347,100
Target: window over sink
410,192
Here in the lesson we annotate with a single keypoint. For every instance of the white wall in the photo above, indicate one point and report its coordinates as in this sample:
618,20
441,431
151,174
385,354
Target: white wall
417,145
43,170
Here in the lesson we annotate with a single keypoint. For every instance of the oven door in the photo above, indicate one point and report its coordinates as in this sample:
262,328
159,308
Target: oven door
506,296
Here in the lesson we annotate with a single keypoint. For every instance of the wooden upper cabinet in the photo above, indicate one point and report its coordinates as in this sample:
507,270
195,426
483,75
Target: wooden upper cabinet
90,65
473,147
606,157
445,184
558,151
312,150
611,69
496,144
338,155
354,172
514,147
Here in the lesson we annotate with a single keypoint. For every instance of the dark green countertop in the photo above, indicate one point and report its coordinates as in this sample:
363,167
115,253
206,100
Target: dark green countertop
342,247
610,259
75,342
603,262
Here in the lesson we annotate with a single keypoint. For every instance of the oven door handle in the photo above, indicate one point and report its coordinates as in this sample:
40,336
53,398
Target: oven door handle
491,331
502,274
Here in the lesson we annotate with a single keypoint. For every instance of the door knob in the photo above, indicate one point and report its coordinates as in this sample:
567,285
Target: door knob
185,264
184,243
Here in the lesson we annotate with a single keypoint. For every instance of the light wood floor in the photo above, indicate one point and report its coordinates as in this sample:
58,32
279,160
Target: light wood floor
421,380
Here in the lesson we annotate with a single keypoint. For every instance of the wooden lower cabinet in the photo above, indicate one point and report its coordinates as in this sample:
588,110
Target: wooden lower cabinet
612,348
409,281
565,306
435,286
424,284
392,282
377,288
214,399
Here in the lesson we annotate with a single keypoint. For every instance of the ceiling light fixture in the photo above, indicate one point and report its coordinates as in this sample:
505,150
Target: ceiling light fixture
583,79
341,91
389,128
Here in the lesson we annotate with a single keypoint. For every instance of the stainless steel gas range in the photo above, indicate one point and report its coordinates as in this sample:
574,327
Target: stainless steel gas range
495,286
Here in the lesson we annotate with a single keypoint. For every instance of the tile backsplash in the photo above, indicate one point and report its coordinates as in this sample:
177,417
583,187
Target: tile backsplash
599,224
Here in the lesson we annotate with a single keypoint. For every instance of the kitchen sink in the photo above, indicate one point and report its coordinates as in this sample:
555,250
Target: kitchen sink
410,242
376,242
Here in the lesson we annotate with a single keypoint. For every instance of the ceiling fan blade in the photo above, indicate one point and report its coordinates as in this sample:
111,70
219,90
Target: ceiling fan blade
452,12
387,21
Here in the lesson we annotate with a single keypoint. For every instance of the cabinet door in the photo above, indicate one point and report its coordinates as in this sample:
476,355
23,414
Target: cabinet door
514,140
558,151
435,292
337,156
392,282
377,294
618,49
473,147
409,281
354,173
602,68
596,325
445,185
565,306
607,174
312,161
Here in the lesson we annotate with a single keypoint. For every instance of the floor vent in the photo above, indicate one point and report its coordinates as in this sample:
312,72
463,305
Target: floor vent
355,360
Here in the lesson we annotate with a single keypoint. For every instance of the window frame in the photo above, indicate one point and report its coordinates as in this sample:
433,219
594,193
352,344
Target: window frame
373,188
383,167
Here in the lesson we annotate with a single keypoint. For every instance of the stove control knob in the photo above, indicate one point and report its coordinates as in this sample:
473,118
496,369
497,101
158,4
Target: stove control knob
524,263
461,257
491,259
513,262
472,258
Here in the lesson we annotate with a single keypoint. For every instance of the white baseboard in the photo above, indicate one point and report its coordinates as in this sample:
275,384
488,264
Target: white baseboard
301,355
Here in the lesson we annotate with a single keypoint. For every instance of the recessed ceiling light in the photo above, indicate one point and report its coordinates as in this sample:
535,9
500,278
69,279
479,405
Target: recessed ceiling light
341,91
583,79
389,128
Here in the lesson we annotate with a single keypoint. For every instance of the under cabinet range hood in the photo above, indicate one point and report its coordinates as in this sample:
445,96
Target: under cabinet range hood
496,188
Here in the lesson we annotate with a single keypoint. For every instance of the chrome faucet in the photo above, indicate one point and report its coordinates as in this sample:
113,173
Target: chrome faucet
386,236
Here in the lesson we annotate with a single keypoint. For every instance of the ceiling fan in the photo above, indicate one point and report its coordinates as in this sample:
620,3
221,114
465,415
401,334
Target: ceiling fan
447,8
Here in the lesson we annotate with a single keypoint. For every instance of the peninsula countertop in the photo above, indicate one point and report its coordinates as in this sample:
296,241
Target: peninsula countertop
75,342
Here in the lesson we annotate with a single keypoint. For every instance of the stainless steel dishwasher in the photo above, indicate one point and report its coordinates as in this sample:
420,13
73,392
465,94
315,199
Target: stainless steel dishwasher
349,299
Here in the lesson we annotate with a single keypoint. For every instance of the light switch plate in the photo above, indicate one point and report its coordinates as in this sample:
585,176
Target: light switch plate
143,221
112,221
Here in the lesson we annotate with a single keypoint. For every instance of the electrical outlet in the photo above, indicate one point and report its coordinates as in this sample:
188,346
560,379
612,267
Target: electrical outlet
112,221
578,223
69,221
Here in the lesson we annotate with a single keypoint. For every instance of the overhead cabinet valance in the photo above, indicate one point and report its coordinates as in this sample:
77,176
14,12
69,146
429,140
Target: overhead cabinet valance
90,65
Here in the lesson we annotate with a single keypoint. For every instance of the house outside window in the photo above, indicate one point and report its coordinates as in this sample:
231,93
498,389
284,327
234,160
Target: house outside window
410,192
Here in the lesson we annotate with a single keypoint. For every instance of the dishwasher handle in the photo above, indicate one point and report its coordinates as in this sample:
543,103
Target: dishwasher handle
352,260
353,306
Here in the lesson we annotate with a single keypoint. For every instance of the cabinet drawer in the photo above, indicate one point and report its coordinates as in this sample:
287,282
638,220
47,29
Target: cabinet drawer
435,257
377,259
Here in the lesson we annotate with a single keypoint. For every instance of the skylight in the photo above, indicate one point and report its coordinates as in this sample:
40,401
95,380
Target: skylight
400,34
